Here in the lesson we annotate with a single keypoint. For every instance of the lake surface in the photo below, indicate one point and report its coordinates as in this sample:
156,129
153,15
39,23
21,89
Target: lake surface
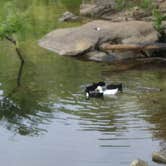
47,121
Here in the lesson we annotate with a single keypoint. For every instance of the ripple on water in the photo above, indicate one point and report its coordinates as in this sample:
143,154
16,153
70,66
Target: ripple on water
120,121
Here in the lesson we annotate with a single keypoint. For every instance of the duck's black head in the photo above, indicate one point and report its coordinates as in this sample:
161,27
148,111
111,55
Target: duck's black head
93,87
101,83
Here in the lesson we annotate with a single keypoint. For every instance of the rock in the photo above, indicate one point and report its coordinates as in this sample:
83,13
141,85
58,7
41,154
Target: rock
70,41
138,14
87,9
68,16
83,39
159,157
139,162
135,13
99,56
97,8
162,6
110,56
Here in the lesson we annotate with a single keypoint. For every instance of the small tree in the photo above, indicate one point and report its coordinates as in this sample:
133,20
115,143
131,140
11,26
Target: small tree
10,27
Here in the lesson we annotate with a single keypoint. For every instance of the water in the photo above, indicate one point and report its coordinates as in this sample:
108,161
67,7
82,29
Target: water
48,121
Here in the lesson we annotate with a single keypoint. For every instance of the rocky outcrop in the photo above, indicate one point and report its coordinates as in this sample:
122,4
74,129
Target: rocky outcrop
162,6
159,157
93,10
110,56
68,16
70,41
108,10
89,37
139,162
135,13
97,8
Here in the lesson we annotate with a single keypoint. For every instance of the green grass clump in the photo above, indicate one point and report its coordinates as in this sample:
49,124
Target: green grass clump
125,4
120,4
146,4
158,18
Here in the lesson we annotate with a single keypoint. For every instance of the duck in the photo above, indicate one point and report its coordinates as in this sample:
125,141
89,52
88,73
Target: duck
100,89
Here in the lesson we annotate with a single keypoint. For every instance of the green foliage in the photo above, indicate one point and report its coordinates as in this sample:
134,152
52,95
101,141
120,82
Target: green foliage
72,6
12,23
146,4
158,18
9,26
120,4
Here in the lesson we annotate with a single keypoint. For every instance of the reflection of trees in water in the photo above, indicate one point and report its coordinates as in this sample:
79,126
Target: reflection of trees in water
16,120
22,109
147,81
154,103
22,115
158,118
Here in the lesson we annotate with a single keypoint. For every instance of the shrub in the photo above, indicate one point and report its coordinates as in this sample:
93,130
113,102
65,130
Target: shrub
158,18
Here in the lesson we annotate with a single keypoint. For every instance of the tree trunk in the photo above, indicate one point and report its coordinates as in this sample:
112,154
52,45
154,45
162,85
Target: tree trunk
14,42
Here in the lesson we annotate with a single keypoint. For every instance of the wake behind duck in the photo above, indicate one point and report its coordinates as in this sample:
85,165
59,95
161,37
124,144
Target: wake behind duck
100,89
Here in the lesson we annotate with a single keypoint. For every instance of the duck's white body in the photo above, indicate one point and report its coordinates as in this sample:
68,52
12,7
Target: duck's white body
110,92
107,92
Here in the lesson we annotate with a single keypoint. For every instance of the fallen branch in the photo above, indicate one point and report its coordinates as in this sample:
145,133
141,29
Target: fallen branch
133,47
11,40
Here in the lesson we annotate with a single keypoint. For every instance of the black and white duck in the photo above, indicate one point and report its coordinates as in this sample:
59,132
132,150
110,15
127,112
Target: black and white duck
100,89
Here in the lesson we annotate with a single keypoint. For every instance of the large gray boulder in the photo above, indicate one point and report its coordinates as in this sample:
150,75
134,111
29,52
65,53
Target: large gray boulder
70,41
88,37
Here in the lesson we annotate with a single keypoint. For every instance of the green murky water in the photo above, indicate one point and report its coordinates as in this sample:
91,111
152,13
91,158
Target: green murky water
47,120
